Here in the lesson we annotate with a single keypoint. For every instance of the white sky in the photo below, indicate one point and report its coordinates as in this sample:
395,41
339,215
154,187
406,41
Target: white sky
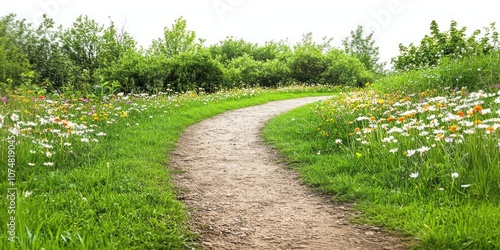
394,21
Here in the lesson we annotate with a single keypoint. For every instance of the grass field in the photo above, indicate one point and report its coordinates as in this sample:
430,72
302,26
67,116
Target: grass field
90,173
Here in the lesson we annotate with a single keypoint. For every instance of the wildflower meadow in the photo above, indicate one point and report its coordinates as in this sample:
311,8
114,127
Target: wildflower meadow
90,172
425,164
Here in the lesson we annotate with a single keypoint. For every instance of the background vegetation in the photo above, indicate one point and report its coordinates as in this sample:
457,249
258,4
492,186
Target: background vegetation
92,58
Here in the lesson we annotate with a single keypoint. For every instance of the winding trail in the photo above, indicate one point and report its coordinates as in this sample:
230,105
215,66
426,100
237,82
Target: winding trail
240,198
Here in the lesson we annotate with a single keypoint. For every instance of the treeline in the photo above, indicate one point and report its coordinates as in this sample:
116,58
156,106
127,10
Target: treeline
90,57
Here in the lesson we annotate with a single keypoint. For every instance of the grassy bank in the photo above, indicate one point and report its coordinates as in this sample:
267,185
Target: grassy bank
424,164
91,173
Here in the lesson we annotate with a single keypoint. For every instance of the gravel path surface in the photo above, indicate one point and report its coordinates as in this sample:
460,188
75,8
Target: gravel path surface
239,197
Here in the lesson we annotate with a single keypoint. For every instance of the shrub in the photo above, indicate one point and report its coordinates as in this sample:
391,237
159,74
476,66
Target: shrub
190,71
473,72
439,45
345,70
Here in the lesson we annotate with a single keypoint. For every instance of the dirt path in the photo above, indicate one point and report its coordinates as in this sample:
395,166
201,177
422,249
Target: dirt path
240,198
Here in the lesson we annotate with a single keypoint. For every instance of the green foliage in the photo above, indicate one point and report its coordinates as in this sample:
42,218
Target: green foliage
191,71
241,72
363,48
82,42
14,63
272,50
42,46
88,58
274,73
308,61
472,72
345,70
231,48
245,71
453,43
175,40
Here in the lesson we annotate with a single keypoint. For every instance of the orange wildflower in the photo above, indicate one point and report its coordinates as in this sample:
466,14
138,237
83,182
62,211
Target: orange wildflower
401,119
461,114
453,128
477,109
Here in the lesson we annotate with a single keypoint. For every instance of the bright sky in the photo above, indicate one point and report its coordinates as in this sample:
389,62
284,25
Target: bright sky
393,21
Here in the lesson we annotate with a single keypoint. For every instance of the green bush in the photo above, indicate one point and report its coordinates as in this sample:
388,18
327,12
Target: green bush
245,71
439,46
273,73
13,62
241,71
307,65
231,48
190,71
345,70
473,72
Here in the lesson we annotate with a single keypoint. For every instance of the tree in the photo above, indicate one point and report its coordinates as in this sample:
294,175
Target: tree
43,49
81,43
272,50
14,64
308,61
191,71
453,44
363,48
176,40
118,60
231,48
114,45
344,69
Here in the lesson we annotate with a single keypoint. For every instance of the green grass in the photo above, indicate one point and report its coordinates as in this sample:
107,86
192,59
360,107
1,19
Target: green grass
475,72
114,193
433,207
417,153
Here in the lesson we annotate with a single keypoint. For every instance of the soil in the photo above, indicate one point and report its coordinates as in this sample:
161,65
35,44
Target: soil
240,197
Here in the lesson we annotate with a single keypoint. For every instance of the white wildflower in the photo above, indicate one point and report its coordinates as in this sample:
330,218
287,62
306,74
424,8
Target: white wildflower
14,117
